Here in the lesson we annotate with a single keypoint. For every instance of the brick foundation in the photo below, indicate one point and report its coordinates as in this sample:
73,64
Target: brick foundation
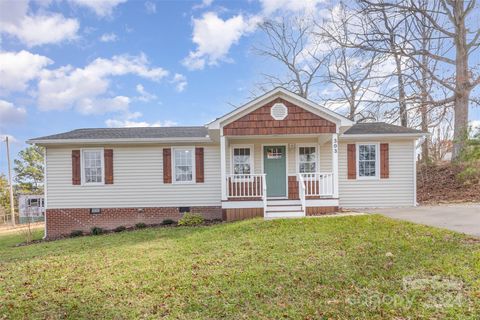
61,222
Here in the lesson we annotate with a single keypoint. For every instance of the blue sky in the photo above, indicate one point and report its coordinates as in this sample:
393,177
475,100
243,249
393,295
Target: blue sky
70,64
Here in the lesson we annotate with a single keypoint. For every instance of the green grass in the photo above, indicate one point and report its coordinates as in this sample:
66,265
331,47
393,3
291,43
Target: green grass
350,267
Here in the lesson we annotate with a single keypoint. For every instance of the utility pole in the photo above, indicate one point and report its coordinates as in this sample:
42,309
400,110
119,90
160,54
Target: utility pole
12,203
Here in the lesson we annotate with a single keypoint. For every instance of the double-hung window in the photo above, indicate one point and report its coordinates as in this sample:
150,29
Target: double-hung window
367,160
242,160
307,159
93,166
183,165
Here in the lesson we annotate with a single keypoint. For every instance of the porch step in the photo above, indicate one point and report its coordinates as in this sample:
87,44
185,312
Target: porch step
278,208
283,214
283,202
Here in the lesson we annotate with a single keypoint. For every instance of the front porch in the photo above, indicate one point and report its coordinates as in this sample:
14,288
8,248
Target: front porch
279,176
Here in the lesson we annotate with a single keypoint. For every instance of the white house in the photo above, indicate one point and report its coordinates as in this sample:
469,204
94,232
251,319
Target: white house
279,155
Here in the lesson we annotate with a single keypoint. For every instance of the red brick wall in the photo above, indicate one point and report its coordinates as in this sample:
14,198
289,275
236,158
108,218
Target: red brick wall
63,221
260,122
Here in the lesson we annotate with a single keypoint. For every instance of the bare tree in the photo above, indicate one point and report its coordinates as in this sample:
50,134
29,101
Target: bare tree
448,20
290,41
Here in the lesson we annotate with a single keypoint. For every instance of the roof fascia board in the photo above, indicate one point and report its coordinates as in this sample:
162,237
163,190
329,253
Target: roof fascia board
125,141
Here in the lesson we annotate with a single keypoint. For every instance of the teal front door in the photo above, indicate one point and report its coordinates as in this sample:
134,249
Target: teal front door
275,167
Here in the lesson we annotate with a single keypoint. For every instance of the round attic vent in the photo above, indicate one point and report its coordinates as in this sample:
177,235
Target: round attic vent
279,111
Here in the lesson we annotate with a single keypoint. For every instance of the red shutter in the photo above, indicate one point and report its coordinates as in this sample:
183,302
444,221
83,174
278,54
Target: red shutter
108,159
76,180
384,161
351,161
167,165
199,171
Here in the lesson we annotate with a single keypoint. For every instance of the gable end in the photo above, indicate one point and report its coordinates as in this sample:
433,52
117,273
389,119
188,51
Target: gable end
261,122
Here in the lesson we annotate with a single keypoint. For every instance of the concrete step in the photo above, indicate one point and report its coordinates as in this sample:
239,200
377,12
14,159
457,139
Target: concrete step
283,214
283,208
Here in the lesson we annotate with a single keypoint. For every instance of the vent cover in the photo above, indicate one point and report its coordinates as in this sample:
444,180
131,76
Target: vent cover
279,111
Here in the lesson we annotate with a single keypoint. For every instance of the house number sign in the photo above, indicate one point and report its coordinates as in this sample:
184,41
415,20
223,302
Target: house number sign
335,145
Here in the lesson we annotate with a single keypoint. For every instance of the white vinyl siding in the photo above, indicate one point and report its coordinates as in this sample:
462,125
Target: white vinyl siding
395,191
138,181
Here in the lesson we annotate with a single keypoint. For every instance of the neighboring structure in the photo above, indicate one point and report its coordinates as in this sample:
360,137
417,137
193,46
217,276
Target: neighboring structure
279,155
31,208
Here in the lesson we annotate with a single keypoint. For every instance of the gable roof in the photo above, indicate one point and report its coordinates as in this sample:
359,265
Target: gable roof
287,95
151,134
372,128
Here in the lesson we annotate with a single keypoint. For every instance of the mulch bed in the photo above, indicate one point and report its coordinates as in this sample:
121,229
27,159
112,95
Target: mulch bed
440,184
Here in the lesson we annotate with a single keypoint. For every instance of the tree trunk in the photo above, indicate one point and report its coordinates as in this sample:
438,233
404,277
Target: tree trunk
401,91
462,85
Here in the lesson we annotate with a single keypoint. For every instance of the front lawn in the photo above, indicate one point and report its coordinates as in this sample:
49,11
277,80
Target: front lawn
366,267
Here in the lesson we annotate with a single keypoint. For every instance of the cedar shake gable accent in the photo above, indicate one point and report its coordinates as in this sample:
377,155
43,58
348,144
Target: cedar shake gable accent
261,122
167,165
76,179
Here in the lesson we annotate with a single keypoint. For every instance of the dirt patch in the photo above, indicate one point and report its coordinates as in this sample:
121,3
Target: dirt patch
440,184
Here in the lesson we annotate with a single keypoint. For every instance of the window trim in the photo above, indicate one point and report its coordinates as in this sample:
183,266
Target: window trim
377,160
82,167
252,155
174,176
317,156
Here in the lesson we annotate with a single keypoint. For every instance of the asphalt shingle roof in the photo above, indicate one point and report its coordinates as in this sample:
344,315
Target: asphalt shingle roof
379,128
130,133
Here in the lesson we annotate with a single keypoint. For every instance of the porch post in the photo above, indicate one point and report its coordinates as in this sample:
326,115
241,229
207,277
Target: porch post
223,166
335,164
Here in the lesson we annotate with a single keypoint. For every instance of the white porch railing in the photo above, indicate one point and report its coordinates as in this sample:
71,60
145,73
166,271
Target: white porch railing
319,184
247,186
301,192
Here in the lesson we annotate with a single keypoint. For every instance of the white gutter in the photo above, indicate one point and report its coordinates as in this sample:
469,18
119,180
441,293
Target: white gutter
382,135
113,141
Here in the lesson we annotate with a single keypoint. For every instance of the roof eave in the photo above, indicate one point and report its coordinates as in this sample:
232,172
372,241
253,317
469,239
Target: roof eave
383,135
46,142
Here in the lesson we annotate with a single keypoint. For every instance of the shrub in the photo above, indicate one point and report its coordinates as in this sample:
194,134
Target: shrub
120,229
76,233
96,231
191,219
168,222
140,225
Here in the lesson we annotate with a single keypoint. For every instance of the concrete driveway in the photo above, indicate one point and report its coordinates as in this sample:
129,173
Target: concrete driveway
463,218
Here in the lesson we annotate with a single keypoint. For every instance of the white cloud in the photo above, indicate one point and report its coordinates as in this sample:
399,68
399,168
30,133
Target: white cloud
108,37
144,95
86,89
475,126
151,7
308,6
203,4
180,82
34,29
101,7
11,139
129,121
18,68
214,37
10,114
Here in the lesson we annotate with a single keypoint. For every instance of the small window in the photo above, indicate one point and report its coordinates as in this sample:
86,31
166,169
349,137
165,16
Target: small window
92,166
242,161
307,159
367,160
32,203
183,165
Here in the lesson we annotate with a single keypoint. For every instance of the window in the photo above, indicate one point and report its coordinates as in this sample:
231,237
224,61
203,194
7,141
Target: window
367,160
92,166
242,160
307,159
32,203
183,163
